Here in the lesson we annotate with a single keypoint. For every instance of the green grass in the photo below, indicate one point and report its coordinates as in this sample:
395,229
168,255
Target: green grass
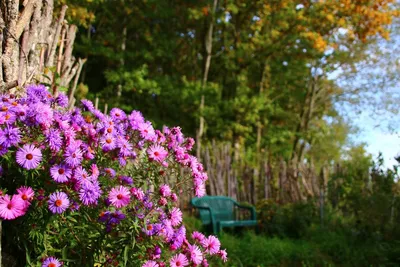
318,247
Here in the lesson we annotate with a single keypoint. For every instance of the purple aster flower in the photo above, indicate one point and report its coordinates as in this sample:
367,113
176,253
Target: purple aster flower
90,193
53,138
125,147
29,156
41,113
135,119
82,175
58,202
116,217
157,250
74,206
51,262
36,93
104,216
149,229
126,180
73,155
98,114
87,105
3,150
7,118
109,172
122,161
9,136
108,142
60,173
20,112
62,100
117,114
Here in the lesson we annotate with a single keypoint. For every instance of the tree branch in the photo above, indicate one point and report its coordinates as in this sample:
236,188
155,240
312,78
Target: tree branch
50,57
25,18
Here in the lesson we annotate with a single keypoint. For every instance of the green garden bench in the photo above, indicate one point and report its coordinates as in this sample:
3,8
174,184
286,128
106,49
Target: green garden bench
219,212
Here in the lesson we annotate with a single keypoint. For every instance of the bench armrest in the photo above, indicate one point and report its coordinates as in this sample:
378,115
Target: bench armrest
212,216
252,210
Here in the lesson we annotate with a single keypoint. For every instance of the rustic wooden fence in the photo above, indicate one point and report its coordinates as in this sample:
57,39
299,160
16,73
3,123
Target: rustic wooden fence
284,182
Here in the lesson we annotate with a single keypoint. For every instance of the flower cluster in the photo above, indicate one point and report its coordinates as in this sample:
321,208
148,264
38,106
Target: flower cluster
114,165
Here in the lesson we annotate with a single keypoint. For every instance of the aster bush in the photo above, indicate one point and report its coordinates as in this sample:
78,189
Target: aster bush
83,188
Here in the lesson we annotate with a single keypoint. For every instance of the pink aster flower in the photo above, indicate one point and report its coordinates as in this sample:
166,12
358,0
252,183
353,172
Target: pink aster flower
119,196
196,256
223,255
137,193
197,236
58,202
150,264
165,190
157,153
26,193
211,245
11,208
146,130
200,190
175,216
51,262
179,260
29,156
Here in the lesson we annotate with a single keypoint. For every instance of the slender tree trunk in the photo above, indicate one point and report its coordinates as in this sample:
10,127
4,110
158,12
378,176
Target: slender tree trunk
305,118
264,84
122,60
208,46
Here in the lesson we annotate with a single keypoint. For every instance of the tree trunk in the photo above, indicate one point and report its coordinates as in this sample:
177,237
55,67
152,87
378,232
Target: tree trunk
208,50
122,60
29,42
305,118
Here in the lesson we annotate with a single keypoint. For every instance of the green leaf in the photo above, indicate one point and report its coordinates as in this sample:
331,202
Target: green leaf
126,255
27,256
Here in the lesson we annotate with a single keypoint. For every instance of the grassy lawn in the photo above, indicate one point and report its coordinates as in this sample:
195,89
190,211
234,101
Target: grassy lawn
319,247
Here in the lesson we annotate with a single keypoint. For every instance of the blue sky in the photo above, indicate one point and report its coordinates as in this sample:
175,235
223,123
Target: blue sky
377,116
379,139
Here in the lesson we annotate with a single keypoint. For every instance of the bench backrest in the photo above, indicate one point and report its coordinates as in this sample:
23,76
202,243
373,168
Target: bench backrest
222,207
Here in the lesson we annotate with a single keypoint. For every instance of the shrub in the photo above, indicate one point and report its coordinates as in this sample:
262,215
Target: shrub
94,189
289,220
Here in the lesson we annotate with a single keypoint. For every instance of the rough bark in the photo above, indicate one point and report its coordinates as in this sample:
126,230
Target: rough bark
29,44
25,18
11,17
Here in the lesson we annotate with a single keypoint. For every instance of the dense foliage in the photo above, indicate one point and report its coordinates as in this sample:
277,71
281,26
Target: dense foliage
269,84
84,188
